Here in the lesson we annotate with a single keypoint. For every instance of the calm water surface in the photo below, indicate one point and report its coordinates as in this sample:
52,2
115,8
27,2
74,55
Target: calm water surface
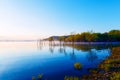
22,60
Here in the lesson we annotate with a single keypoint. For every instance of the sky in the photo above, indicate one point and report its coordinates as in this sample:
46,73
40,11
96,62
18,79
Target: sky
43,18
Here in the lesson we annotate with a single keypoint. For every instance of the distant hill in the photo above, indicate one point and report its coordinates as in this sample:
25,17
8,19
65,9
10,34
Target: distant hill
55,37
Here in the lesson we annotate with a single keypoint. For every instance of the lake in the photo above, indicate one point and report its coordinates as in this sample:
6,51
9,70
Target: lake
27,60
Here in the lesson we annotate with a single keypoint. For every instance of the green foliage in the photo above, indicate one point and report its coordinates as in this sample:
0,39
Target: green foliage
77,37
107,70
61,38
111,36
114,35
51,39
77,66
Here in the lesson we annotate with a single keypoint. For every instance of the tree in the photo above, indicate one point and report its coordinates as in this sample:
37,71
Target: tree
77,38
61,38
114,35
51,39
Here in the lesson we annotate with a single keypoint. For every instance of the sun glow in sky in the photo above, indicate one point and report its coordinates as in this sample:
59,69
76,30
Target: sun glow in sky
44,18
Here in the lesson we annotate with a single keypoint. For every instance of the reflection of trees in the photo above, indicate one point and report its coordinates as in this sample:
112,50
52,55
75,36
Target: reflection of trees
83,47
62,49
72,54
89,47
39,44
51,48
51,44
51,41
110,67
91,56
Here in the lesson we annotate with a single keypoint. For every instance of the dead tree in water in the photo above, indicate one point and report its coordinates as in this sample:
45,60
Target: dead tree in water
73,38
39,43
61,40
51,41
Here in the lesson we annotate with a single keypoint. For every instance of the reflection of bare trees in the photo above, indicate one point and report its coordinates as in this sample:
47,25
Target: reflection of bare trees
72,54
51,41
73,38
91,56
39,44
51,48
87,48
62,49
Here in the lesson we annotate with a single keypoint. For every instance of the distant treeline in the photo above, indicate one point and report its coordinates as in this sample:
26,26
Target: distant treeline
111,36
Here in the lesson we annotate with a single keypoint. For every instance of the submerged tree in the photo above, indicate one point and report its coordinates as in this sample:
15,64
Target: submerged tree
61,39
51,41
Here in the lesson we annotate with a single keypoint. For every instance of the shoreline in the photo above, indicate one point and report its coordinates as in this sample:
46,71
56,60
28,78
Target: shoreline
85,43
57,42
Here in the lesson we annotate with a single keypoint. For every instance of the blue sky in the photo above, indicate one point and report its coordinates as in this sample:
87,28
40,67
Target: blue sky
57,17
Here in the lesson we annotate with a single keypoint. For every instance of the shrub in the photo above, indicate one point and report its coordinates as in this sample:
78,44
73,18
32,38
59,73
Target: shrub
77,66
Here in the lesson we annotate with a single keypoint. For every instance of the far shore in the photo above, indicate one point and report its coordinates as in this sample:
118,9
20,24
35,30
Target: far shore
85,43
94,43
57,42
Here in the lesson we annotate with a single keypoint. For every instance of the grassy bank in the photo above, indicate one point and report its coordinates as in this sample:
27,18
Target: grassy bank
108,69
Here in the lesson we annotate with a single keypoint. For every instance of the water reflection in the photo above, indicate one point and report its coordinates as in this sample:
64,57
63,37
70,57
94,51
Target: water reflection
72,53
109,69
40,44
92,50
61,49
51,48
84,48
91,56
40,60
